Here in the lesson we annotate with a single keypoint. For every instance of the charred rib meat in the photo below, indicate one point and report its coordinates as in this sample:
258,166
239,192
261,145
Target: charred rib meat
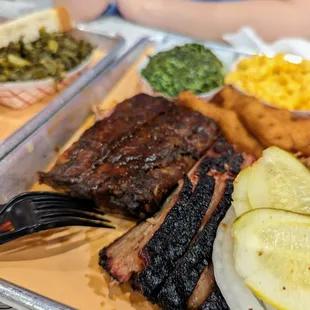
130,161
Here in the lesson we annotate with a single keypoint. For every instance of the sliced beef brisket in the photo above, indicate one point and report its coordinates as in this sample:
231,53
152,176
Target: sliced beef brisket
175,260
182,282
173,238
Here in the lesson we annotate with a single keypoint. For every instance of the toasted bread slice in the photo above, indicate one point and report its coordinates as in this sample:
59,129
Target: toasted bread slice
27,27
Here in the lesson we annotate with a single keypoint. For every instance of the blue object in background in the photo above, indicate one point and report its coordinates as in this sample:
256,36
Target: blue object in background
113,10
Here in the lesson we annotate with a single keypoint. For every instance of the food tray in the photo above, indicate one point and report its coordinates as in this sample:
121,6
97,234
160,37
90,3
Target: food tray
68,258
12,129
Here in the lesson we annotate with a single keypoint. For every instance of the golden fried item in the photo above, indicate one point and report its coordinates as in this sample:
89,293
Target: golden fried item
282,80
228,120
274,126
189,100
238,135
227,97
251,125
300,131
231,98
268,129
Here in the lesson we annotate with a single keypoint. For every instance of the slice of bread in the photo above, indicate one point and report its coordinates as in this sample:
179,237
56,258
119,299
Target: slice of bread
27,27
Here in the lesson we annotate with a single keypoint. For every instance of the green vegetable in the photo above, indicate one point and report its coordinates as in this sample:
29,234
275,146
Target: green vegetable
50,56
53,46
17,61
189,67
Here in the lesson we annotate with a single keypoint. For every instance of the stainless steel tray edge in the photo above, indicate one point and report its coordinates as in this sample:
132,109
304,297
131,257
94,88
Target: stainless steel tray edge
22,299
22,133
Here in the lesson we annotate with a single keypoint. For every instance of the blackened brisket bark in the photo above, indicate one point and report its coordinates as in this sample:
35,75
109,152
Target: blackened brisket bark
215,301
181,283
183,287
172,240
121,258
130,161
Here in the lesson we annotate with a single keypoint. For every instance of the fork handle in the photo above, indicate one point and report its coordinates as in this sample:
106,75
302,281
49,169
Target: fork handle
2,207
4,226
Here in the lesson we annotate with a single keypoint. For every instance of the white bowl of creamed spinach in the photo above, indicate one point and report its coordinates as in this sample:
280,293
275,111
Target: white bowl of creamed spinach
190,67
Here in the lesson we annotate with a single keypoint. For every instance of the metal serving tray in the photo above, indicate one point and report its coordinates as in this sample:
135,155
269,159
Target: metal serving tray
18,170
106,44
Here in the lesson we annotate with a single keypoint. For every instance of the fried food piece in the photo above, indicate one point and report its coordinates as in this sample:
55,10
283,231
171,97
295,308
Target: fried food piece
227,97
301,136
297,131
231,98
263,124
188,99
250,124
280,114
238,135
228,121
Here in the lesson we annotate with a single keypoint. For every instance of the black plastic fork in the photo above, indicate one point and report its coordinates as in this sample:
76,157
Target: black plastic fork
32,212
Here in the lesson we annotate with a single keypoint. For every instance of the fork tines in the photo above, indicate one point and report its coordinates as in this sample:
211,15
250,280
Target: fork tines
51,208
32,212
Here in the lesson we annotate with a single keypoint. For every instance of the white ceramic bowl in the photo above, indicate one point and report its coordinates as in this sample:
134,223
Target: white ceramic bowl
225,57
288,57
19,95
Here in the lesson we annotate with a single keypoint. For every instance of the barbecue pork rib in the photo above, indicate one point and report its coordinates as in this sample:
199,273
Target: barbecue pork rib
130,161
168,258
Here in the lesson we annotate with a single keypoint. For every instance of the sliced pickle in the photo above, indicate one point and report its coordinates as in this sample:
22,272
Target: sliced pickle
240,197
272,254
278,180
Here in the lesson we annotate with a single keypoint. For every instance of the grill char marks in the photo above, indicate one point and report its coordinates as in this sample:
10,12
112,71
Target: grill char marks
215,301
94,144
184,287
162,151
130,161
223,152
181,284
173,238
